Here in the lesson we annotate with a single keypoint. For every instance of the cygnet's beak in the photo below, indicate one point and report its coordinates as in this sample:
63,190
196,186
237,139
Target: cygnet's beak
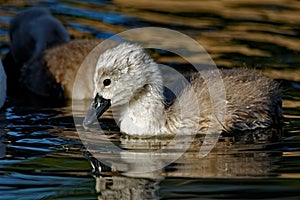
98,106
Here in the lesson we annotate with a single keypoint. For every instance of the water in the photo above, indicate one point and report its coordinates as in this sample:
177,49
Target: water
42,156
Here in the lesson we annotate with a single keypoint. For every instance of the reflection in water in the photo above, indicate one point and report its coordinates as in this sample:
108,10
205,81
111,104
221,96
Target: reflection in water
139,157
118,187
127,172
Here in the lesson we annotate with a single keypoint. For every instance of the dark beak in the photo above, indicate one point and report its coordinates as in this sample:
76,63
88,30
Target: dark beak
98,106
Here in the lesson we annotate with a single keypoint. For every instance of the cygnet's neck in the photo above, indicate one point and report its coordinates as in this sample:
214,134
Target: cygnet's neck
145,113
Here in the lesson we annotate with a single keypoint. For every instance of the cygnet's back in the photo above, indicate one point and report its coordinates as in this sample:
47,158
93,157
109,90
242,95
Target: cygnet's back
252,101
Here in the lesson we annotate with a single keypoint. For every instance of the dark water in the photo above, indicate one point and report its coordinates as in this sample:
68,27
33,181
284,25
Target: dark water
42,156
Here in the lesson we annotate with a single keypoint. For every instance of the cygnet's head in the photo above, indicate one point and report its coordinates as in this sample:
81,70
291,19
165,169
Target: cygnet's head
124,71
122,74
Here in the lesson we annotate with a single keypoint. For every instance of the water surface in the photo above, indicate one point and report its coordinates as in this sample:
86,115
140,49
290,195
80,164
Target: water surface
42,156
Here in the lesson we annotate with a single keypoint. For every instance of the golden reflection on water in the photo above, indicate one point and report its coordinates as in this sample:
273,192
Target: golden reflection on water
222,27
258,21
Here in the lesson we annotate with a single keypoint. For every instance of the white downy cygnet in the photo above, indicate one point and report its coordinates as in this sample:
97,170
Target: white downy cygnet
129,81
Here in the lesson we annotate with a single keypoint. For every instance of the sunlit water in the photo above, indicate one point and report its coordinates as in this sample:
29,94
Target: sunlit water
42,156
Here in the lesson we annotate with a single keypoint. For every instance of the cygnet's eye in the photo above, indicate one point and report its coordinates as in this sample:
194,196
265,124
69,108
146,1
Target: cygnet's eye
106,82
